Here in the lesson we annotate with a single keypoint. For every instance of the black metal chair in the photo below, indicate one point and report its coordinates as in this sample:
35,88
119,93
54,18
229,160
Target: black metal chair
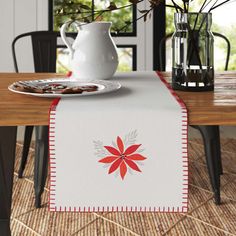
44,48
210,133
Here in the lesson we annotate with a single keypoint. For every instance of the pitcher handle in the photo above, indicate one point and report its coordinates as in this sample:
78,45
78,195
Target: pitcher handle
65,39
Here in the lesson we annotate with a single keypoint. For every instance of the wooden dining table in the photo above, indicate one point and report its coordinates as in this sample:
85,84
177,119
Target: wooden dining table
206,112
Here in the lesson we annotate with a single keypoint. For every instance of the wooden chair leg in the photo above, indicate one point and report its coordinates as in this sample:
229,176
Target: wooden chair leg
41,162
211,138
26,146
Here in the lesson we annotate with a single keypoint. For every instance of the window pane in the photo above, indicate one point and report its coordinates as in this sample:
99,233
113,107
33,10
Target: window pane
224,22
62,60
118,17
69,7
125,59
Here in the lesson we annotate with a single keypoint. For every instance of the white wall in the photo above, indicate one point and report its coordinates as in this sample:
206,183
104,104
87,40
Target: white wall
16,17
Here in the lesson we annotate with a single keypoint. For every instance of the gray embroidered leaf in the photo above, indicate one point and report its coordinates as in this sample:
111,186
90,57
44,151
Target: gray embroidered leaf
106,165
130,171
100,151
117,173
130,138
140,163
140,150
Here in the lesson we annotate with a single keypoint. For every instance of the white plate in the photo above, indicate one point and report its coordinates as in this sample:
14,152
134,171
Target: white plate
104,86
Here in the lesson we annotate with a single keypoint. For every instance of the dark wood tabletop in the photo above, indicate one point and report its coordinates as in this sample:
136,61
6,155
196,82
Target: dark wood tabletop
217,107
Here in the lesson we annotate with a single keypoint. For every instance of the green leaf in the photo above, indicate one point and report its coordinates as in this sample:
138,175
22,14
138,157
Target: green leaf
86,7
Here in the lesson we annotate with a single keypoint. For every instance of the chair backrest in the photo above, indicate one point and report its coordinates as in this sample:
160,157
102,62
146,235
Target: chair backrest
168,36
44,48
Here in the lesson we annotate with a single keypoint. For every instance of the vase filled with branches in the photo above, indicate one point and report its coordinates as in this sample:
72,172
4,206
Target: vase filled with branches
192,52
193,46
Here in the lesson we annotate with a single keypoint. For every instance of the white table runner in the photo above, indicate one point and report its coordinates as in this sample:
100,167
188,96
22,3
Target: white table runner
122,151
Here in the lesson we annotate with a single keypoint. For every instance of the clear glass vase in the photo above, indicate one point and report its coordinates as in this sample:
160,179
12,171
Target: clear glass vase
192,52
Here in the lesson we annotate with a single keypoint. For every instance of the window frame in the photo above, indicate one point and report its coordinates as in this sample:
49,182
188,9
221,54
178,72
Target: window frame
120,34
159,32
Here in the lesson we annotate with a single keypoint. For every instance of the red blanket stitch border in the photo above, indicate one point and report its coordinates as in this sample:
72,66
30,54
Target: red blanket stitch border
52,166
52,159
184,143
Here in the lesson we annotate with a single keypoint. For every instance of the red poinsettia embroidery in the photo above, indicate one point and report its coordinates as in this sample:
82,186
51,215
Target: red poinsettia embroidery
122,158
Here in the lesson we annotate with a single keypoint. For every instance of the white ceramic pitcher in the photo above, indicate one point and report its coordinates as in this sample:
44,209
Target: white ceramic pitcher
93,53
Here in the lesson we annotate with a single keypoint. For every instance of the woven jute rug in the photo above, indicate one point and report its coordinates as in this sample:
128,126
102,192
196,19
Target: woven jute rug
203,218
